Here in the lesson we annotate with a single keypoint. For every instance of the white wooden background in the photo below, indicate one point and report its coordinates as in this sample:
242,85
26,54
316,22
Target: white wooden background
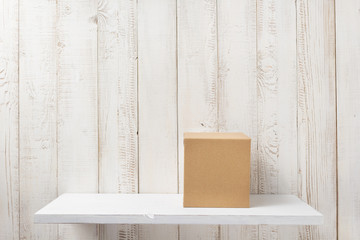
96,94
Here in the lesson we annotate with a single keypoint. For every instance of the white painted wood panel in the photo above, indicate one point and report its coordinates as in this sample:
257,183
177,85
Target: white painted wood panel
77,105
277,104
157,99
317,113
197,85
37,114
168,209
348,112
237,86
117,110
277,96
9,141
217,45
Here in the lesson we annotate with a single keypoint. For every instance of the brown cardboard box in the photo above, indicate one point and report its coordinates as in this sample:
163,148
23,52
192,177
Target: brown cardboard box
217,170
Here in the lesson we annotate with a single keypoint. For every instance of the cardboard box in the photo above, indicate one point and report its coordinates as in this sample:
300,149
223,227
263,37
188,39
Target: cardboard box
217,170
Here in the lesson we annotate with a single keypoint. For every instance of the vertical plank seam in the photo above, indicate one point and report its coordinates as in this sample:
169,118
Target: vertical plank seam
297,100
217,68
257,103
177,107
137,96
97,109
256,76
57,104
18,123
137,104
97,93
217,85
298,164
336,130
177,95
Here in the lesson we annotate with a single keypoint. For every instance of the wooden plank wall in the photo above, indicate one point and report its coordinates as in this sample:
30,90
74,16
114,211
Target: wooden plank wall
197,85
157,98
95,96
237,57
117,105
317,113
348,117
37,114
77,139
9,120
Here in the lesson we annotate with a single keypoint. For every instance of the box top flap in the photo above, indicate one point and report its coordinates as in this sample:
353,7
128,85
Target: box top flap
215,135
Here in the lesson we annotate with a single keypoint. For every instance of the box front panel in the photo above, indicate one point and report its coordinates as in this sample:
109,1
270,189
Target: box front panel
217,173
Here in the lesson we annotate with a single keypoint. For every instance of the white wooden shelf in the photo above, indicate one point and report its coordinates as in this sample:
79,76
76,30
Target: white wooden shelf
168,209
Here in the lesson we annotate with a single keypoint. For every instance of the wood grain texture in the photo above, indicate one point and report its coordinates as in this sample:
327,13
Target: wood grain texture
9,141
157,99
77,105
277,104
317,113
55,108
237,86
37,111
348,112
197,85
117,93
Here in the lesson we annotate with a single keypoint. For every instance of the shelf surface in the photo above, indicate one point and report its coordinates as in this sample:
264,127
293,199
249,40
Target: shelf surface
168,209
